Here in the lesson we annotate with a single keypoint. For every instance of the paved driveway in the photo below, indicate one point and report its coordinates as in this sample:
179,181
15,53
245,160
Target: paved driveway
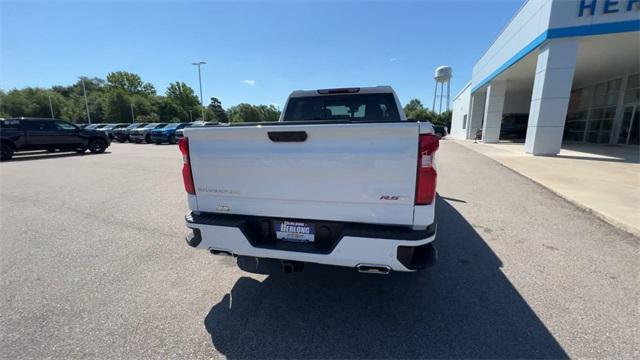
93,264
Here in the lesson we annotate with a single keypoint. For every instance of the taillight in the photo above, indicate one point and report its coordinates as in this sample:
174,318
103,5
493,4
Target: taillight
187,177
426,179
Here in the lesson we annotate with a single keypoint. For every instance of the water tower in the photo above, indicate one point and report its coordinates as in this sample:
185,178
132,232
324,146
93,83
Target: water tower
443,76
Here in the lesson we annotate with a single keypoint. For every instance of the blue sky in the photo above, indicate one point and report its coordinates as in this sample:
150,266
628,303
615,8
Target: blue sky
256,52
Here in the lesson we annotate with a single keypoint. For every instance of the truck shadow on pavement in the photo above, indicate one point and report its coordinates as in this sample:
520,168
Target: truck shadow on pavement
464,307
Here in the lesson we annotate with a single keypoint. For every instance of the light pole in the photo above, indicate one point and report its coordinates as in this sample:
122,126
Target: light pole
86,103
200,80
51,107
133,117
190,115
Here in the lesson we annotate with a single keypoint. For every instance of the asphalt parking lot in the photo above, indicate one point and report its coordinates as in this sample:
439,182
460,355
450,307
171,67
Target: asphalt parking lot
94,264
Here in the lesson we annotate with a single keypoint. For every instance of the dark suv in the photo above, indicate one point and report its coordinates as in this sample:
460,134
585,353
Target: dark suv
21,134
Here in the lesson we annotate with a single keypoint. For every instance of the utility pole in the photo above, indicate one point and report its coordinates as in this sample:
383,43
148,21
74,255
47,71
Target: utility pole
51,107
86,103
198,64
133,116
190,115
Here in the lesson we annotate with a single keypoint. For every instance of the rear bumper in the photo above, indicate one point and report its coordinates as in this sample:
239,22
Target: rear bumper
401,249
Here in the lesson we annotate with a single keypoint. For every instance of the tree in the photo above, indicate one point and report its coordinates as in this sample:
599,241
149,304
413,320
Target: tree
118,106
182,99
168,110
31,102
269,113
415,110
444,119
216,111
129,82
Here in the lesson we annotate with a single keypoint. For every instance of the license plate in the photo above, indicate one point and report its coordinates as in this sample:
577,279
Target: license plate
295,231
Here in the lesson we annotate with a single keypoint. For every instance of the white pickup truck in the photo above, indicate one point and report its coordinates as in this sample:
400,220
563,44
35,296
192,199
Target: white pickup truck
343,178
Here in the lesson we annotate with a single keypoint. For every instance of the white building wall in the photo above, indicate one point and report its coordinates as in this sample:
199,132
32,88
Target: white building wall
529,23
538,20
460,110
539,24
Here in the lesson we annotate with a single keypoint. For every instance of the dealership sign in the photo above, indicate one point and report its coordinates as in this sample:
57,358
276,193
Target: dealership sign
595,7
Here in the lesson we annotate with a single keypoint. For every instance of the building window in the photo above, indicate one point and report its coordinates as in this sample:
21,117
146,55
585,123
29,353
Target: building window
632,94
464,121
592,111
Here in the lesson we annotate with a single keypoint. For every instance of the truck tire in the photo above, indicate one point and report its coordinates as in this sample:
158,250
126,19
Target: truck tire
6,152
147,139
97,146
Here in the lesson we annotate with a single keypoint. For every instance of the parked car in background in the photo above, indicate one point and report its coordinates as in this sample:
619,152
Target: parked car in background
167,133
441,131
95,126
144,133
110,127
180,132
122,134
22,134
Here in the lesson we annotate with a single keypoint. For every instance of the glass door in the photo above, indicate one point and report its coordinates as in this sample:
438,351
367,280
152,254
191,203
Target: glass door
630,127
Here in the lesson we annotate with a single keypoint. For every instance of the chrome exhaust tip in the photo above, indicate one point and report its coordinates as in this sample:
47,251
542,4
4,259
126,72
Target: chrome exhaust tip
373,269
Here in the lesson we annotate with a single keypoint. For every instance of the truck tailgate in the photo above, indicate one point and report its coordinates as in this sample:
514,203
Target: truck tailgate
360,172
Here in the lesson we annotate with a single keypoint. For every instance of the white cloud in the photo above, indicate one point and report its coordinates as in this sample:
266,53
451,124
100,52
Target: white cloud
250,82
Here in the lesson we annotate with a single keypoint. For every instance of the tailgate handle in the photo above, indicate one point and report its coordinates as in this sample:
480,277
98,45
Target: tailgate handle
287,136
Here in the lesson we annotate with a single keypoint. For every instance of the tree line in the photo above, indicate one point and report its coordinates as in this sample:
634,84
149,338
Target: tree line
124,97
415,110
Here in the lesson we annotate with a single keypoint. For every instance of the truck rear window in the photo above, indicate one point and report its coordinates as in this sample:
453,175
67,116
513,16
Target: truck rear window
356,107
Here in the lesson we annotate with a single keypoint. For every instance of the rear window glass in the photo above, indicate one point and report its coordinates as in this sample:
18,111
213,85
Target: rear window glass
359,107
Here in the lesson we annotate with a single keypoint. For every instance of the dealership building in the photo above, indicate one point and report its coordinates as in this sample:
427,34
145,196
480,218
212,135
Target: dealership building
560,71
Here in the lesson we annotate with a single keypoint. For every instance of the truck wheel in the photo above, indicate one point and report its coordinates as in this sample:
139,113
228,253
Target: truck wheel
6,152
147,139
172,139
97,146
